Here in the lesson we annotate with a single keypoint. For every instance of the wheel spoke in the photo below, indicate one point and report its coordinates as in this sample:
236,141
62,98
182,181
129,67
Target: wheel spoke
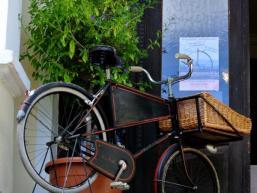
44,125
55,173
169,183
44,160
36,155
71,110
68,126
34,187
70,161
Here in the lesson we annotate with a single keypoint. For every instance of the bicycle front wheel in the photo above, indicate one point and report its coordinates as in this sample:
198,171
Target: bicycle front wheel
51,145
171,176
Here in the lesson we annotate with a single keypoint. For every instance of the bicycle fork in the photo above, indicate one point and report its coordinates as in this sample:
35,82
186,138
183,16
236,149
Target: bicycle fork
194,187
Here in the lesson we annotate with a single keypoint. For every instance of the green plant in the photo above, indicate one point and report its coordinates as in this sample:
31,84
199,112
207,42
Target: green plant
61,33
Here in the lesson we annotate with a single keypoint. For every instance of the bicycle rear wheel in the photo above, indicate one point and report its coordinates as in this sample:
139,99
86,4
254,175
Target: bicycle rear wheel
171,176
50,136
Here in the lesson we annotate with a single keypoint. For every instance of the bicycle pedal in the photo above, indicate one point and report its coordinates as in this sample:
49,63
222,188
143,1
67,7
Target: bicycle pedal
119,185
120,145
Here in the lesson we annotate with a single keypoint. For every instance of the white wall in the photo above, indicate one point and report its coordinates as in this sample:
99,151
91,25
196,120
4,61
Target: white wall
13,83
6,140
3,23
13,27
9,25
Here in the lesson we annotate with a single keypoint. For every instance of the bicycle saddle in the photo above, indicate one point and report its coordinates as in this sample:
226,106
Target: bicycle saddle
104,56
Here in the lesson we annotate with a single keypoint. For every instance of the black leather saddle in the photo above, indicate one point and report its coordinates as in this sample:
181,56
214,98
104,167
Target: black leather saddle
104,56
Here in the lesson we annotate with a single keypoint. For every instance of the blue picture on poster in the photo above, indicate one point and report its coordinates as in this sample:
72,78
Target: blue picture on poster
205,54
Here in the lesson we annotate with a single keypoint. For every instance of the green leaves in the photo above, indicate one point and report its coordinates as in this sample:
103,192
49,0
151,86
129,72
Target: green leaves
62,32
67,78
85,56
64,36
72,49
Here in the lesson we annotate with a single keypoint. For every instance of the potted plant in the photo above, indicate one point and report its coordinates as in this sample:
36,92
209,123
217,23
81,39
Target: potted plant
62,32
57,170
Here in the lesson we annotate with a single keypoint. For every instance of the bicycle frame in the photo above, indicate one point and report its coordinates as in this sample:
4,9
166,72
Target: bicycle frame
120,97
123,102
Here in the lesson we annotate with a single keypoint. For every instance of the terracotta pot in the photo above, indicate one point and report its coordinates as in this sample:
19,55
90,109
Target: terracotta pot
77,174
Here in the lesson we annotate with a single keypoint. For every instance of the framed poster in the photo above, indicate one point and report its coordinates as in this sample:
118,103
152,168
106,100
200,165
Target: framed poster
198,28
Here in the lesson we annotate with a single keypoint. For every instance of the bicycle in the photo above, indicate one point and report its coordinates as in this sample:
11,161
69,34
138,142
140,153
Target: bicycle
61,120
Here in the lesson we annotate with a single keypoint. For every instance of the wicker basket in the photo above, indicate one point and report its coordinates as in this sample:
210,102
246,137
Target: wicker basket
214,116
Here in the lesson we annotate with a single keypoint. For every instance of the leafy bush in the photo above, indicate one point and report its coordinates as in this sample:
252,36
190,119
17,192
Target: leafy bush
61,33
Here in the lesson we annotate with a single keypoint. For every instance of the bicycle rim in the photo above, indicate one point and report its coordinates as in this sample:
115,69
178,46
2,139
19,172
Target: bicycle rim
50,143
200,169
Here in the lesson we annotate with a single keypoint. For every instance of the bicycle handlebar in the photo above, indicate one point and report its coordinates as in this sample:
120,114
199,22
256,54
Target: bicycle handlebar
136,69
170,81
189,62
141,69
182,56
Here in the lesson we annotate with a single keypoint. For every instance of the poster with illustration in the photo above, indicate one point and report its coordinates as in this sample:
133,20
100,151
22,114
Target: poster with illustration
205,54
200,29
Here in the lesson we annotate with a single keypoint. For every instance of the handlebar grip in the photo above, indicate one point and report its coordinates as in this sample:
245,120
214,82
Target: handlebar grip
136,69
182,56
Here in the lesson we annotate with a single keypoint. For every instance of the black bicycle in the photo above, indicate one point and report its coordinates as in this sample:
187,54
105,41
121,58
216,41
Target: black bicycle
63,123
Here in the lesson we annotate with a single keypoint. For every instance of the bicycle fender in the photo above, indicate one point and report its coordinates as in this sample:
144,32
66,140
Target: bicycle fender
159,167
34,93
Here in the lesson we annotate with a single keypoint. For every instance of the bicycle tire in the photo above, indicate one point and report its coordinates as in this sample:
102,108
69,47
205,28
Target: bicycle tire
44,130
170,176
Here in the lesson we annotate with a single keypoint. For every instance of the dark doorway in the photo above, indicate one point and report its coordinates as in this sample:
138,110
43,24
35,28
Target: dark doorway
233,162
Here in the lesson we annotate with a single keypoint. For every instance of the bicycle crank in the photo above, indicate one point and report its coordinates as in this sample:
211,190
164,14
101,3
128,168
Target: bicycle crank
116,183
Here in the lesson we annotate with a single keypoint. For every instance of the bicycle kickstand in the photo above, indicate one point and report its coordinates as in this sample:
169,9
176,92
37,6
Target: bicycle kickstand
116,184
